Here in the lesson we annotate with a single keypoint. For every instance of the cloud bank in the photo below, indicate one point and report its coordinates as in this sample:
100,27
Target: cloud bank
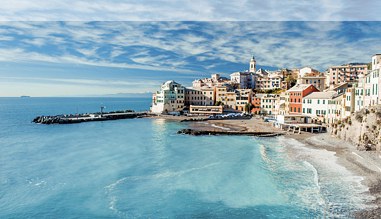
195,10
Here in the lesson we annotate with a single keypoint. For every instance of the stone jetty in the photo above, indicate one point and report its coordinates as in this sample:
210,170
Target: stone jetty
210,132
88,117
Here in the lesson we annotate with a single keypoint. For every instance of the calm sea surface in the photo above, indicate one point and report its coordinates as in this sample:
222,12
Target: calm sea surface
140,168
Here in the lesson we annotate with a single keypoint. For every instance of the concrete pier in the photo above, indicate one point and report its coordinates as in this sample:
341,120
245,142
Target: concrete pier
88,117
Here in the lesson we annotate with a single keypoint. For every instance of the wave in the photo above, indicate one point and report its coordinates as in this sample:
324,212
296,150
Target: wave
339,188
220,127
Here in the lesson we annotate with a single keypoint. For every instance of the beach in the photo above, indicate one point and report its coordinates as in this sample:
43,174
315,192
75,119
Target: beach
365,165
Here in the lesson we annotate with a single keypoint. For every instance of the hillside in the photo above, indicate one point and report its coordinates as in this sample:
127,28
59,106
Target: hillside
361,128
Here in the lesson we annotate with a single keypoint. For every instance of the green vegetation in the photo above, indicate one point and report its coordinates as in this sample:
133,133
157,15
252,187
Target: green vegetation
291,80
219,103
271,91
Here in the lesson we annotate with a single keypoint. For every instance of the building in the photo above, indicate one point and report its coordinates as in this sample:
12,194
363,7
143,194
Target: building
256,103
243,99
360,93
225,96
253,65
307,71
169,99
200,96
244,80
295,97
318,81
213,81
367,89
268,104
316,104
376,61
280,104
346,72
205,109
348,102
269,81
335,109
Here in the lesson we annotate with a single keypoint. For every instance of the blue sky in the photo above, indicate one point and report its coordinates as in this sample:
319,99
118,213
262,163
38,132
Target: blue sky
49,58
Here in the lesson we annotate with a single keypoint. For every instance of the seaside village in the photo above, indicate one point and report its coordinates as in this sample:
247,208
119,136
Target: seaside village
286,96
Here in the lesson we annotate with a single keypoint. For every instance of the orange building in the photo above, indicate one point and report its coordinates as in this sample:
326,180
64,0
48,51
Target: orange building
256,103
295,97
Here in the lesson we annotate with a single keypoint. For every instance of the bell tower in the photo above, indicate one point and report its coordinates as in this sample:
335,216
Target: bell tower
253,65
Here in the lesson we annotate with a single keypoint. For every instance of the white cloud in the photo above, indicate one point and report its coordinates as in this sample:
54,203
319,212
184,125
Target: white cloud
196,10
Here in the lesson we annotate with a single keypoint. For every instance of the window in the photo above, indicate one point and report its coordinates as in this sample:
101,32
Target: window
323,101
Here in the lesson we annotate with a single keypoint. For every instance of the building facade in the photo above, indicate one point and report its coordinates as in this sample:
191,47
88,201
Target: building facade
200,96
268,104
170,98
244,80
346,73
316,104
295,97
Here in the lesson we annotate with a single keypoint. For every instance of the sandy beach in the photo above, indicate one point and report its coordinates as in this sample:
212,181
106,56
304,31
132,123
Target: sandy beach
366,164
362,163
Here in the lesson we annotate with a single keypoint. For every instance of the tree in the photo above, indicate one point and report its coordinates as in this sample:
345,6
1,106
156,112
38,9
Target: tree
219,103
291,80
248,107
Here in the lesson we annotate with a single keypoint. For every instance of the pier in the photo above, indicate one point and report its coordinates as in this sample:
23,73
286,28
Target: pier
298,128
88,117
210,132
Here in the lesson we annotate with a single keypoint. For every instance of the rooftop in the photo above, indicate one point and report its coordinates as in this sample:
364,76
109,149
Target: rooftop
299,87
322,95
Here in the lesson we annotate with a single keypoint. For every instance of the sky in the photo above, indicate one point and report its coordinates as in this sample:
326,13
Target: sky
135,52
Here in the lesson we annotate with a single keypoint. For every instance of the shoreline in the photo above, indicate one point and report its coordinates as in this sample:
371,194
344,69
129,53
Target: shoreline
366,164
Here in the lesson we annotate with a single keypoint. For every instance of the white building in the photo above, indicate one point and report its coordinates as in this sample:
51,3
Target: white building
265,80
253,65
376,61
316,104
306,71
335,109
245,80
213,81
169,99
268,104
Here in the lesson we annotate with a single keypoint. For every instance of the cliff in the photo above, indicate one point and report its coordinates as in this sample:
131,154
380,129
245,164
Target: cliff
361,128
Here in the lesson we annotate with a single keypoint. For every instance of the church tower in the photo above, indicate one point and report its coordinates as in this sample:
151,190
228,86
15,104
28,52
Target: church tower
253,65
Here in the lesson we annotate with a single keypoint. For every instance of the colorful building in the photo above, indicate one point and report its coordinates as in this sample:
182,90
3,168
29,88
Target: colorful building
295,97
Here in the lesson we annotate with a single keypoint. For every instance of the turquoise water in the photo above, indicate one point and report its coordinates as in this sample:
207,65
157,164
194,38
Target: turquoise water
140,168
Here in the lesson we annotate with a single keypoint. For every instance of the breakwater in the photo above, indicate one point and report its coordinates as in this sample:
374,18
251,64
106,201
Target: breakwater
88,117
210,132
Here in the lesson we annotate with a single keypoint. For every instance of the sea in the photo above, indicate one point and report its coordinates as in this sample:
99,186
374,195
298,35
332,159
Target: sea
141,168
